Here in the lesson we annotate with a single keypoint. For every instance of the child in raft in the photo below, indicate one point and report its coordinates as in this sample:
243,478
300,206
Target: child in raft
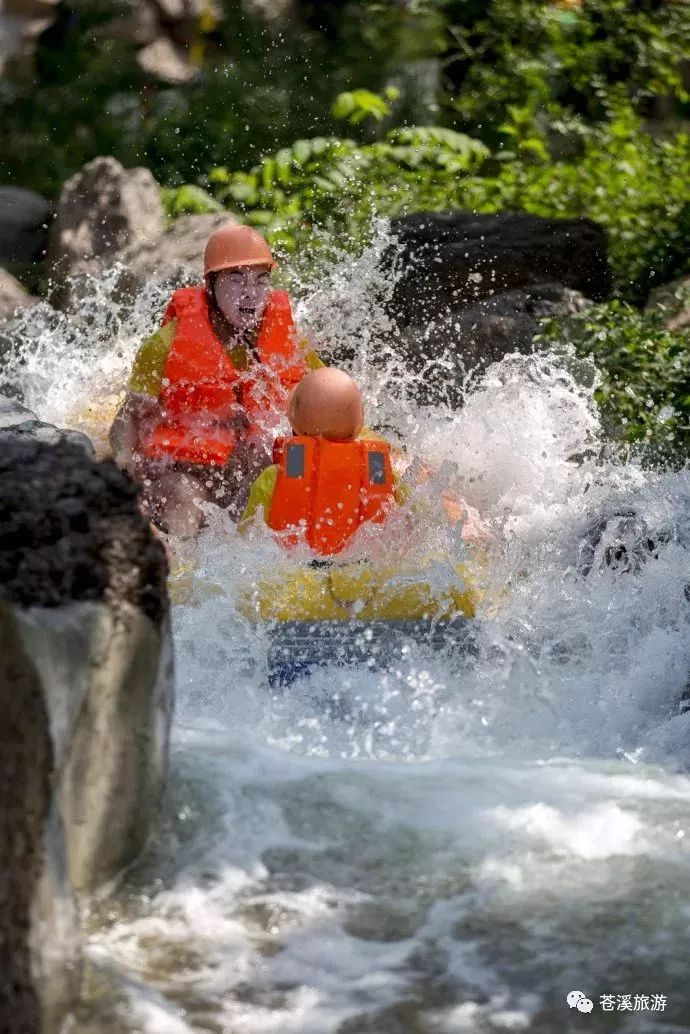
326,480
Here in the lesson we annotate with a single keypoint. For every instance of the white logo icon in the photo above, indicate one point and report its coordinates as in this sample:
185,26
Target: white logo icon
585,1005
574,999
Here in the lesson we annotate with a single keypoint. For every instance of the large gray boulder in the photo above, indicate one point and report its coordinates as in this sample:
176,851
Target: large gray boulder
24,220
108,215
86,663
40,953
177,255
13,297
103,209
17,423
672,301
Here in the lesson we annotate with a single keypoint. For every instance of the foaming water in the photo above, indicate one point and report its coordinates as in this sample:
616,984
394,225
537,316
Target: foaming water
455,844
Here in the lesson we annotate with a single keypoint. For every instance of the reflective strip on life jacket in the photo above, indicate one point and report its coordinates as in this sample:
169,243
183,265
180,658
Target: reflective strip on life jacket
327,490
202,386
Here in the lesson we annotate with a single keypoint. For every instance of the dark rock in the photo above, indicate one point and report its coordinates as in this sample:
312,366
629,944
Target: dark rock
25,426
24,221
70,529
507,322
470,289
86,579
443,353
87,693
448,261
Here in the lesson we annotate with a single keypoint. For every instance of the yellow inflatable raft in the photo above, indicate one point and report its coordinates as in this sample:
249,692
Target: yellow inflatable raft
358,591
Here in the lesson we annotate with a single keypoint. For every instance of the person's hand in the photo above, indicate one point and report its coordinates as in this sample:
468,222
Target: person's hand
474,531
452,507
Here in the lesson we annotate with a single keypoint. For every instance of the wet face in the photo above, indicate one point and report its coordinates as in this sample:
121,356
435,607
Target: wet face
241,295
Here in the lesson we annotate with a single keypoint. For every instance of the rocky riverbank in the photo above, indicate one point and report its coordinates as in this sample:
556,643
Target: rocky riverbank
86,684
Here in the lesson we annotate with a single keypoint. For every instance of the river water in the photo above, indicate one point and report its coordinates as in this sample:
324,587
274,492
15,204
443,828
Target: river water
458,844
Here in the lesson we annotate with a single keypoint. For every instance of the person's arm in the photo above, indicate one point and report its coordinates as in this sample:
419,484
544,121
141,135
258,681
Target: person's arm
146,377
260,495
136,413
312,361
456,510
141,407
401,490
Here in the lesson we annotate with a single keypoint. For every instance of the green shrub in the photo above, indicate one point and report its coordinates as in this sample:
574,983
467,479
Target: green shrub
645,391
336,184
636,186
564,62
188,199
257,89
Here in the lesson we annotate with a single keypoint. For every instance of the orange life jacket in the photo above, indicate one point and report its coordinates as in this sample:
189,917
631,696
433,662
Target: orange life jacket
326,490
202,387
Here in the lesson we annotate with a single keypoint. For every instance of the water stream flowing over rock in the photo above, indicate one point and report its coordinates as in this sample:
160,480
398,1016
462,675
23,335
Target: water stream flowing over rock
86,681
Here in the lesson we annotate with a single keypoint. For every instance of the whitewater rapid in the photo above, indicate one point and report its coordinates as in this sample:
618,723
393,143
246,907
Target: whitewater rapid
455,847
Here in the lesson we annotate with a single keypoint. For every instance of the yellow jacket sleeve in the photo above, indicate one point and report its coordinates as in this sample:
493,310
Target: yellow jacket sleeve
312,360
401,489
260,495
147,373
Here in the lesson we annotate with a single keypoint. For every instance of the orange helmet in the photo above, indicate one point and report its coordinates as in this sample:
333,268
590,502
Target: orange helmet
236,245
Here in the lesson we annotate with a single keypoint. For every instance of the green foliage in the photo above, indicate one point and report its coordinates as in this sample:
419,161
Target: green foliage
337,184
636,186
81,105
645,390
190,199
564,64
359,105
256,88
525,68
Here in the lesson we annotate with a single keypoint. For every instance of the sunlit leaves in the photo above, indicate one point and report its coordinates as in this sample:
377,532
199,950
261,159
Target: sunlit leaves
188,199
358,105
645,390
333,181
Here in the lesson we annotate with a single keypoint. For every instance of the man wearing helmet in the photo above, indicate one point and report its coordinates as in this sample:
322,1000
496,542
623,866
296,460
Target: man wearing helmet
209,386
